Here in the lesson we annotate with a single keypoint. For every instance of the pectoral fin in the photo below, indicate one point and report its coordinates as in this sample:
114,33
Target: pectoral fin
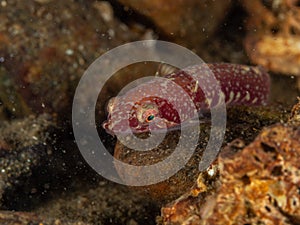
165,69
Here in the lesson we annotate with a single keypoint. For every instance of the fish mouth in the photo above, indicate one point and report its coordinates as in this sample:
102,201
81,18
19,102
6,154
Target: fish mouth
109,126
116,128
106,125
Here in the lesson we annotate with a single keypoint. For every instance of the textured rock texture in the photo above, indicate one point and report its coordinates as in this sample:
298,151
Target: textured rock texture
256,184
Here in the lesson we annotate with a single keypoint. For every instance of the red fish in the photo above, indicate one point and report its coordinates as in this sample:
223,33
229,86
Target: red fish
180,96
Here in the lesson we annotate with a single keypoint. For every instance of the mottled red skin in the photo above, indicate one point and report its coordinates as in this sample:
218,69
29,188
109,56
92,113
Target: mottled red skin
240,84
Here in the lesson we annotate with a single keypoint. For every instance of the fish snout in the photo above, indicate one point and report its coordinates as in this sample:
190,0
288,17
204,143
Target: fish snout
107,125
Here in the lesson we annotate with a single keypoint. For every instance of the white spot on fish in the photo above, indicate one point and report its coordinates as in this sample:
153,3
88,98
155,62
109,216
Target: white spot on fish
245,68
247,97
231,97
256,70
196,87
221,98
254,100
209,101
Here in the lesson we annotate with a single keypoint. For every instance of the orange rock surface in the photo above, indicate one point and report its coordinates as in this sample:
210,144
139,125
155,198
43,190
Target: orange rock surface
257,184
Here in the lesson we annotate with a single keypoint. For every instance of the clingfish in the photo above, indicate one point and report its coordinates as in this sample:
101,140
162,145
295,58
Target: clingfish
177,97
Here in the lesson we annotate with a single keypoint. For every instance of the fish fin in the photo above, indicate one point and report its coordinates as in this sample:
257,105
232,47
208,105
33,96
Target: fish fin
165,69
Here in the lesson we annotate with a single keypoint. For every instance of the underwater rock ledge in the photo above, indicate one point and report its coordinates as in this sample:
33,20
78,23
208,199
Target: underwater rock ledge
256,184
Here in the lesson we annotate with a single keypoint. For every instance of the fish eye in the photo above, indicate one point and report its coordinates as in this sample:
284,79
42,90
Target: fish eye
146,113
149,118
149,115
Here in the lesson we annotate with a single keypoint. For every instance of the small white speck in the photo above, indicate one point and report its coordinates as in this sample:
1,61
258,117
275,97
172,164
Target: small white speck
34,138
69,52
211,172
81,47
111,32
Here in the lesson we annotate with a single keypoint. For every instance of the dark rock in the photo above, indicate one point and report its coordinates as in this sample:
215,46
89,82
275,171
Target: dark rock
105,204
189,23
23,148
16,218
45,47
272,40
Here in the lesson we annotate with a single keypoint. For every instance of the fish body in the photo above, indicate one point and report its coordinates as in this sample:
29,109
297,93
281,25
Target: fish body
179,96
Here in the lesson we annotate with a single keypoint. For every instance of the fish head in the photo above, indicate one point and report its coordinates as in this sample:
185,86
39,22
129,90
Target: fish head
149,114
